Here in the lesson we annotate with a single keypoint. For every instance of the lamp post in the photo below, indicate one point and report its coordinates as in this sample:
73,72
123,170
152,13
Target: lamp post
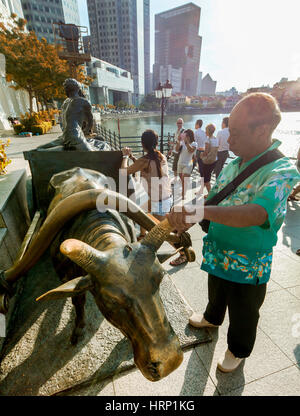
163,92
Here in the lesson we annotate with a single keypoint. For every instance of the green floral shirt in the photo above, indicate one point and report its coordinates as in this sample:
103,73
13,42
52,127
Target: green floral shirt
244,255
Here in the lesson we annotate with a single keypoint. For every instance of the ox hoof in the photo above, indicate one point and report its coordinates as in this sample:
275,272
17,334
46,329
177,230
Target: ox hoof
77,336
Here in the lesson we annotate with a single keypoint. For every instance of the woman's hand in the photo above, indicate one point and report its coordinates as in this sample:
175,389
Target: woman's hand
126,151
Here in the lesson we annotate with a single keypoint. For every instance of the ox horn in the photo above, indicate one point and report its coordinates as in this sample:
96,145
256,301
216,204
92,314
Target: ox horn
83,255
158,235
63,212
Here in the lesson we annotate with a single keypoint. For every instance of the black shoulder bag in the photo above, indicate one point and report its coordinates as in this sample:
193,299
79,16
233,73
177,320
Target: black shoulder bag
265,159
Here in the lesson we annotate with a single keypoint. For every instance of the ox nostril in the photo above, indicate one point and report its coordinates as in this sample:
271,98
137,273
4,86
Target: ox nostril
153,369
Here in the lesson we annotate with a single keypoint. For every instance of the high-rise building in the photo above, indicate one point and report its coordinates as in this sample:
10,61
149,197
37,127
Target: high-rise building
41,14
208,86
13,6
12,102
177,43
120,35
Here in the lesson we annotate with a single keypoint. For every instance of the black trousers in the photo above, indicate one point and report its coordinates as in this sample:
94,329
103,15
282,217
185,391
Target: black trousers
244,302
222,156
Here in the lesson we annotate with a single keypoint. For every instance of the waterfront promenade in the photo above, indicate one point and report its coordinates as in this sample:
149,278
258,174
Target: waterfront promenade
274,366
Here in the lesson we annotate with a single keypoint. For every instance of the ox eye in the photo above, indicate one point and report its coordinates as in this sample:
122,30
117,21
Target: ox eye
116,300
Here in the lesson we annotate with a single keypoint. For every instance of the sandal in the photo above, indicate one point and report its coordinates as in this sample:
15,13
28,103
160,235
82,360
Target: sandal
179,261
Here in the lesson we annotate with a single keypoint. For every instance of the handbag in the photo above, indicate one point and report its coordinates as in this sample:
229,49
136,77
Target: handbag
265,159
211,157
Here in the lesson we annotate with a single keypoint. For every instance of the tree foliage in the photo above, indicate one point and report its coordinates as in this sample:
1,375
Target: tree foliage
150,103
4,160
33,64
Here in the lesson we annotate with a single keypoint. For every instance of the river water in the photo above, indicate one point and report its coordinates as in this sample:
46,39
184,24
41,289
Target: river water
288,131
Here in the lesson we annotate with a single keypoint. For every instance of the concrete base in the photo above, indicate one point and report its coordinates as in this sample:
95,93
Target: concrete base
38,359
14,216
14,222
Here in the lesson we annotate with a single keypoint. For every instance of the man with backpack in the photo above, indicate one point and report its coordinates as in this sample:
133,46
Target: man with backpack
242,215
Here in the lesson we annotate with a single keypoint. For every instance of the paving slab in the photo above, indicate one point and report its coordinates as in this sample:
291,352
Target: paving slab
282,383
190,379
295,291
278,322
265,359
285,270
272,286
102,388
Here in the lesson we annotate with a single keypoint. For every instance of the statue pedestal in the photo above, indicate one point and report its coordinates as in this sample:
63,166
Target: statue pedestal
14,222
14,217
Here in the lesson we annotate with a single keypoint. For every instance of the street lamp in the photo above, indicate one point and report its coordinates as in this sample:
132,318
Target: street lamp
163,92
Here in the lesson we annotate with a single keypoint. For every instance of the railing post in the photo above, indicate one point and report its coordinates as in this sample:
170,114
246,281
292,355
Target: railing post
115,142
109,134
169,139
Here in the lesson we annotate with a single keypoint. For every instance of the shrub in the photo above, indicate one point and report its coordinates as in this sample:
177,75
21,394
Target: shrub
37,129
40,122
18,128
4,161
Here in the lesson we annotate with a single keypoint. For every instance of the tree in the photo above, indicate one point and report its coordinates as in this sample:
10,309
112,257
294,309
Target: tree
150,103
33,64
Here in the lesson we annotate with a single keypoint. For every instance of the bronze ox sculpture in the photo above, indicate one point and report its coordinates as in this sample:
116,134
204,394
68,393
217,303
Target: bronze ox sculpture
98,252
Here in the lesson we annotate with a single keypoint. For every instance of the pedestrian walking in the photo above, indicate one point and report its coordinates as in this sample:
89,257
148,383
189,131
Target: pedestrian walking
172,150
200,139
210,155
223,152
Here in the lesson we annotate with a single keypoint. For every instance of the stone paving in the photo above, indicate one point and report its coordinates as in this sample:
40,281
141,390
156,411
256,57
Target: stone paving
273,369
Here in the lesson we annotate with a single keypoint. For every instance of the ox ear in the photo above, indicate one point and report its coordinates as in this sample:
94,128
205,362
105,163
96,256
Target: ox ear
162,257
72,288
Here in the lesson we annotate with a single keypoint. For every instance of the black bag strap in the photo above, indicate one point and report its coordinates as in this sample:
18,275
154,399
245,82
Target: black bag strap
265,159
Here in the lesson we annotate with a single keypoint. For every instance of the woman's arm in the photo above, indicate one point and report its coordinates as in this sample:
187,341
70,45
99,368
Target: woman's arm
237,216
138,165
190,148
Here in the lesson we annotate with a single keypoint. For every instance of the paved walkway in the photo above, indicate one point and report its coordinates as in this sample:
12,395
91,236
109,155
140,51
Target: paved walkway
274,366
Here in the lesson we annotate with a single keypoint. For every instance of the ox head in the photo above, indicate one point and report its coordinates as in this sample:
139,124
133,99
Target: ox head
125,284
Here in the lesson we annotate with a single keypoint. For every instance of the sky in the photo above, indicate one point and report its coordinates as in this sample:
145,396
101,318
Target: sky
245,43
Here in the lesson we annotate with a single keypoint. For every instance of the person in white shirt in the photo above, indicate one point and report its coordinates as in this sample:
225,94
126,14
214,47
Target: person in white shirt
223,151
186,142
185,161
172,145
210,155
200,139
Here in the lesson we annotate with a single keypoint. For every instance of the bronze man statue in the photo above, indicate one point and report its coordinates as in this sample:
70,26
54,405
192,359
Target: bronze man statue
76,111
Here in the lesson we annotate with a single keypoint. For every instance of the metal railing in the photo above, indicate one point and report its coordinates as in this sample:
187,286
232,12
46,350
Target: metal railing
117,142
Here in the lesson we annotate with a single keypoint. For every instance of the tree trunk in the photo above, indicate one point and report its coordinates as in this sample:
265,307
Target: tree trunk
46,104
30,101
